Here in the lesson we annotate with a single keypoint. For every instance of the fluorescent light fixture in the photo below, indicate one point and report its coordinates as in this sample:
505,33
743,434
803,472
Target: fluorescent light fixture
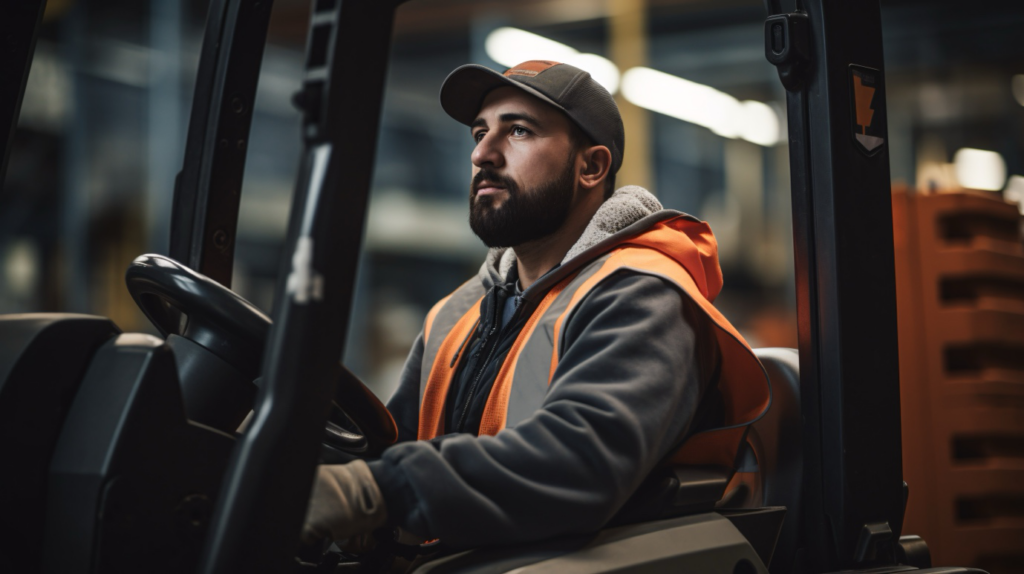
511,46
979,169
702,105
656,91
601,69
758,123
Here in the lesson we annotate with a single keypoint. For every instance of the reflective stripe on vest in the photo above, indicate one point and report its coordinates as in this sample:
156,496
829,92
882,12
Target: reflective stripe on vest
442,318
440,375
532,362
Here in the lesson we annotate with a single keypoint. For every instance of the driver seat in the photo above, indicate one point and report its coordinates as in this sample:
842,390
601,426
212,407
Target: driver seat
770,476
776,444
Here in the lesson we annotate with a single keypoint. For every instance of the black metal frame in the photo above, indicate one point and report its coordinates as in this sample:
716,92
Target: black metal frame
846,285
265,490
204,217
19,29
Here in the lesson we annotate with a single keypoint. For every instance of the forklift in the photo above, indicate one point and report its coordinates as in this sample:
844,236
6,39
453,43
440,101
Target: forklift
123,450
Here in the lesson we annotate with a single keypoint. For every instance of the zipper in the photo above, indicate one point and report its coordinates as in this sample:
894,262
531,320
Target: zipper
490,353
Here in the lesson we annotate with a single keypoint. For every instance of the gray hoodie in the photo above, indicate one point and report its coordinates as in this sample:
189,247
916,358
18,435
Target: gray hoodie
626,389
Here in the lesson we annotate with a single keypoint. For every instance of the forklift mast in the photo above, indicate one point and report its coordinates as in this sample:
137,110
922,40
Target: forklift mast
829,57
267,483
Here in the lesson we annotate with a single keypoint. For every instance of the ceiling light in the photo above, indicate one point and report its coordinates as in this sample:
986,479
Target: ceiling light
702,105
979,169
601,69
511,46
759,123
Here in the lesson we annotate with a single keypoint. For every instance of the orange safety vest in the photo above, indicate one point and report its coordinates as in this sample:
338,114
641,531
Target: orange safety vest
667,250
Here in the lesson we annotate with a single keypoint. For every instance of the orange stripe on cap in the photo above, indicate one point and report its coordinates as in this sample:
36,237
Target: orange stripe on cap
441,373
496,408
530,68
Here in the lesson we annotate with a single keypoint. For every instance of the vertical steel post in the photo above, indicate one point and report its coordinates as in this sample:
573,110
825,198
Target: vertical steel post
263,498
208,190
829,55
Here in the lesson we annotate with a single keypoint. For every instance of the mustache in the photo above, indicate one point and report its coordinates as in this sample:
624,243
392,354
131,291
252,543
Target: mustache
489,174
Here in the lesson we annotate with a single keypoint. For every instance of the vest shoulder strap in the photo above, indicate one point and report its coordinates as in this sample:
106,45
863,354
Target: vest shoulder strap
441,372
743,382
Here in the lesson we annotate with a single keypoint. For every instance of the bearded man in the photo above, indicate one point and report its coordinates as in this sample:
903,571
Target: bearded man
541,393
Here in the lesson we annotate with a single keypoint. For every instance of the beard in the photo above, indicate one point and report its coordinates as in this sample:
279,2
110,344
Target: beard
524,216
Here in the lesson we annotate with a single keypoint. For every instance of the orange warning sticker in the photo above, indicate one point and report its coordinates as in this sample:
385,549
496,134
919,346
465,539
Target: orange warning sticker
868,103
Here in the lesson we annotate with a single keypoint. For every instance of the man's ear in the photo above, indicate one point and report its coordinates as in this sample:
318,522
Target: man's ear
597,162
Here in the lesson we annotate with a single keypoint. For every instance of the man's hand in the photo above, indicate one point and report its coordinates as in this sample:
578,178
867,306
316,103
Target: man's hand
346,502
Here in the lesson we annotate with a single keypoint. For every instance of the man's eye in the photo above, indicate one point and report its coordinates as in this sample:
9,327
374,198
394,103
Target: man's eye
519,131
478,136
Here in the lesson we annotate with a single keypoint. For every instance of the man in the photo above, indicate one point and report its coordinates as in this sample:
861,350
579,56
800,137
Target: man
545,390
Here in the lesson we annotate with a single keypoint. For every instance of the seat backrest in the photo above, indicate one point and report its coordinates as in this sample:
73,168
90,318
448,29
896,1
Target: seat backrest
775,439
43,357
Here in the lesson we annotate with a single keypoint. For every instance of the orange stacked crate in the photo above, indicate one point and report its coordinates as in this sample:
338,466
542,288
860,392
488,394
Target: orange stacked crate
960,292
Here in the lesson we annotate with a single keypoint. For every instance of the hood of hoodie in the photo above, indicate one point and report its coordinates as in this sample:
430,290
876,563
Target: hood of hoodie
632,215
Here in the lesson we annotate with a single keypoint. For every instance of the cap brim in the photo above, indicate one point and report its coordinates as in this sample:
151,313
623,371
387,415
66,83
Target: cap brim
464,90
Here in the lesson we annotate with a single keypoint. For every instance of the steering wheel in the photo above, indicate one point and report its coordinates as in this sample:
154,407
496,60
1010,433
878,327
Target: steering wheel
180,301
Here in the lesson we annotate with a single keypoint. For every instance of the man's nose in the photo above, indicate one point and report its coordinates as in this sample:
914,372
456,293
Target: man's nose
488,152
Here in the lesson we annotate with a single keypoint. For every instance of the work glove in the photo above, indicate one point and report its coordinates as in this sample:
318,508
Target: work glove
346,502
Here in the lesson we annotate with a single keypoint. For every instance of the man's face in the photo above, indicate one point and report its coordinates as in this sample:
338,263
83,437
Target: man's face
524,169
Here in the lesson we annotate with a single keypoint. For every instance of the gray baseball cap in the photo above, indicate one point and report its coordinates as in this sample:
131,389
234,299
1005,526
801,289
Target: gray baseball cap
568,88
